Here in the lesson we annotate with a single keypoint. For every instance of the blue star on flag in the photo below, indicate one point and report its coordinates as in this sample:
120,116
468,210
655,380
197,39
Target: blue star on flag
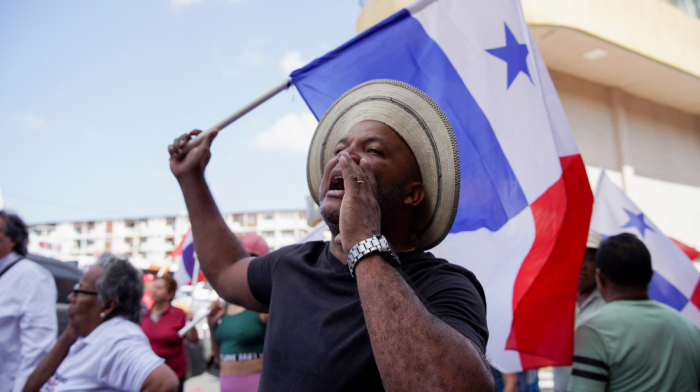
637,221
515,55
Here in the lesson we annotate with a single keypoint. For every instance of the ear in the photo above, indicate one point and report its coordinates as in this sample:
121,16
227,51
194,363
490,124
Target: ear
108,307
415,195
602,282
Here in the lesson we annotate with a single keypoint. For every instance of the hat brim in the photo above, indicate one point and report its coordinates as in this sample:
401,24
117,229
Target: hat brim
420,122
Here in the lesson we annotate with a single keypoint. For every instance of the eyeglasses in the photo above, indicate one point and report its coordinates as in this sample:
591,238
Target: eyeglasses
76,290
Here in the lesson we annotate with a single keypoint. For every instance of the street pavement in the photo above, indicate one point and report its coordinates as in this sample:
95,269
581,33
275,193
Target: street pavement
209,383
205,382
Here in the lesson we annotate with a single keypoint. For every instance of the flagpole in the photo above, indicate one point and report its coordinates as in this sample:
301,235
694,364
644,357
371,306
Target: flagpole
195,271
240,113
600,179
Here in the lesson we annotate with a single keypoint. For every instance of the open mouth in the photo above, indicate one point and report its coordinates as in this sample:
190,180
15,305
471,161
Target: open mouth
337,184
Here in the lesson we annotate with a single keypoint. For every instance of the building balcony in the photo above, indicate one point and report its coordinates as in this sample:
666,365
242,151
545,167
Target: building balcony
690,7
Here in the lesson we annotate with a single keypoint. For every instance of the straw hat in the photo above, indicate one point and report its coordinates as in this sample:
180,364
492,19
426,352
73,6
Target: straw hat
420,122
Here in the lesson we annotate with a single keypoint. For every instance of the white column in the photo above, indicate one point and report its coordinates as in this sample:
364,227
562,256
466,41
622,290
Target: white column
621,127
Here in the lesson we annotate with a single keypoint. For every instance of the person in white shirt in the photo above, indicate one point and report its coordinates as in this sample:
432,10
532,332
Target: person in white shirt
103,347
28,325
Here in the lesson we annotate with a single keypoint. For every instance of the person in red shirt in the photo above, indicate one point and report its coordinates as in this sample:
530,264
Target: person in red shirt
161,323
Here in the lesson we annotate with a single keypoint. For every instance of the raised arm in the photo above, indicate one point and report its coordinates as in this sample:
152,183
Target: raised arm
216,312
413,349
223,259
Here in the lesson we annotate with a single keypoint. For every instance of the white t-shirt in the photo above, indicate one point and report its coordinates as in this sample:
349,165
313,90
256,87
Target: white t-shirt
116,356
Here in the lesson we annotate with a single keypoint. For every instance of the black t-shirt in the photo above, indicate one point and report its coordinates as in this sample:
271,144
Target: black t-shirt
316,337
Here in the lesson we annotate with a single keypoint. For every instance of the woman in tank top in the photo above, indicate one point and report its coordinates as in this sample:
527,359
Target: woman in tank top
238,334
237,341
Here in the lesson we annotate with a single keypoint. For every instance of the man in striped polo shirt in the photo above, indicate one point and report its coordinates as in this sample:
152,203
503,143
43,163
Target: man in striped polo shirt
633,343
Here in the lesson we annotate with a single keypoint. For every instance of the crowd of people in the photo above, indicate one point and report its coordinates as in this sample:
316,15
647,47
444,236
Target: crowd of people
115,340
370,310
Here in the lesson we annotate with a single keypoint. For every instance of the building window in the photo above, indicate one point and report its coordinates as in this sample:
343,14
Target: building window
170,222
268,216
129,224
90,242
142,239
268,234
129,241
287,233
91,225
238,218
170,240
252,220
77,227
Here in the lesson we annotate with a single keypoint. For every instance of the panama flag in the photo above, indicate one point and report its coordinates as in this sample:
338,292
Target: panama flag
676,282
188,261
525,201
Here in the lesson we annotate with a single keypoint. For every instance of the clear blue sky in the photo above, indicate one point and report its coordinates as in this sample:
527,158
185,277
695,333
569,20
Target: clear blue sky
92,92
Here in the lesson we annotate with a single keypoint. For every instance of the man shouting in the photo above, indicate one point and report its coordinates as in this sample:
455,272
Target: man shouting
370,310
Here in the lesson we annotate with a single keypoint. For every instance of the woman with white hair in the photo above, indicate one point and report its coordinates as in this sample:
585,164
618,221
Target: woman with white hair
103,347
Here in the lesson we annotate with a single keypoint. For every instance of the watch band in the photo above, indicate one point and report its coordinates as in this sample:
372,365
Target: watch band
376,243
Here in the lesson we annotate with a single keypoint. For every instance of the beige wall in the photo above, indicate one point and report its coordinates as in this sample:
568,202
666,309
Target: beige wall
660,147
665,143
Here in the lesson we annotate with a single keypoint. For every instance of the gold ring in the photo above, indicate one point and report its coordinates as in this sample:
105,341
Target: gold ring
360,182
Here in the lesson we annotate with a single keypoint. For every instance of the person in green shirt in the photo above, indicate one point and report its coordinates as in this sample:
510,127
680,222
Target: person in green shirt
633,343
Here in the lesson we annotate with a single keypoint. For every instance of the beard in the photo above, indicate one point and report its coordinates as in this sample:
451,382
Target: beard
389,197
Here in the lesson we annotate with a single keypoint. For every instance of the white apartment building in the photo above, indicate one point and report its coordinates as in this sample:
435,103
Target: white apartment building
148,241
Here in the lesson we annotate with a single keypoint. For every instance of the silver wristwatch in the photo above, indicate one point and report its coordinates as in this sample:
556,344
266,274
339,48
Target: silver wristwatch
376,243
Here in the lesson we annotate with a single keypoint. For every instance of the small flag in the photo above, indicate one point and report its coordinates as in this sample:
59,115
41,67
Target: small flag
188,260
676,282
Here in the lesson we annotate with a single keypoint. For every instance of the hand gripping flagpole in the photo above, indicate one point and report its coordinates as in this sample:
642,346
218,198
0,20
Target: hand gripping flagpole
240,113
202,313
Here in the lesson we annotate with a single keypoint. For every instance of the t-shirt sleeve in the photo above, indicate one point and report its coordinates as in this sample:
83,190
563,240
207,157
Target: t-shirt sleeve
260,277
455,299
127,364
589,371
